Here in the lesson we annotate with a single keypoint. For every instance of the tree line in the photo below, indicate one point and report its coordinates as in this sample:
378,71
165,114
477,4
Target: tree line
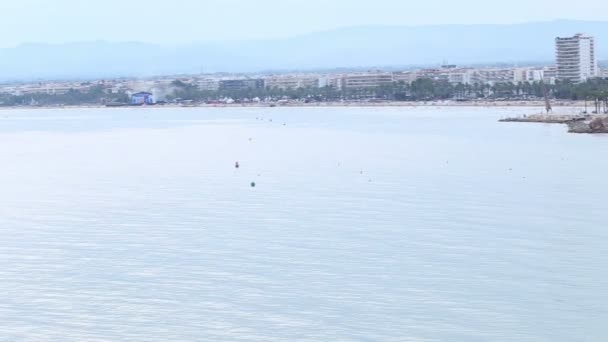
419,90
94,96
594,90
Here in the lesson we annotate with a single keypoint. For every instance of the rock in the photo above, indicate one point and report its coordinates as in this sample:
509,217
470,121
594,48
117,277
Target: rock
578,127
595,125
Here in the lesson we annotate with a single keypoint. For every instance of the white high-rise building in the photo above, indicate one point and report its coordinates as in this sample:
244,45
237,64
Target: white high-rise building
576,60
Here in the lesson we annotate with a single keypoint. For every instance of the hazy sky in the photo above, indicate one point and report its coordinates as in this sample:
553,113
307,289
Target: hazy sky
180,21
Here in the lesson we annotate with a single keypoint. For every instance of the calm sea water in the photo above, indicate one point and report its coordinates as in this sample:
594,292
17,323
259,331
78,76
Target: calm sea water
366,224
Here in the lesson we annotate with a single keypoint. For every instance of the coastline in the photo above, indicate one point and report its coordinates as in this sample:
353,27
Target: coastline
473,104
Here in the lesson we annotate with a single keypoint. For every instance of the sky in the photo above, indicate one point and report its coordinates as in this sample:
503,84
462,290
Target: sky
188,21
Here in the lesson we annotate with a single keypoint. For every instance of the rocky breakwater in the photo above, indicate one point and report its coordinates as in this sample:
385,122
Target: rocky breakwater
592,125
546,118
589,124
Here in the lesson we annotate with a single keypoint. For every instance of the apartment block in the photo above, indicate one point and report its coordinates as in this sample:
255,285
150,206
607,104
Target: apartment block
367,80
241,84
285,82
208,84
576,60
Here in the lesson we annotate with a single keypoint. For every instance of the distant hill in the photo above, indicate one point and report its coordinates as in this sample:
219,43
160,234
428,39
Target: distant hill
376,46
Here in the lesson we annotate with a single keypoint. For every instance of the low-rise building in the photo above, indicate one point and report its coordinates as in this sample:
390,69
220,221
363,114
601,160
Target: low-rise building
528,75
208,84
142,98
460,76
405,76
292,82
367,80
434,74
241,84
493,76
333,81
550,74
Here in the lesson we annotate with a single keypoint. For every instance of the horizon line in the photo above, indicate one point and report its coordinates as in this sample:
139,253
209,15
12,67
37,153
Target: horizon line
294,36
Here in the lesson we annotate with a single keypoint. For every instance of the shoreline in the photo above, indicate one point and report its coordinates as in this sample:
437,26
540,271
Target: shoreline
430,104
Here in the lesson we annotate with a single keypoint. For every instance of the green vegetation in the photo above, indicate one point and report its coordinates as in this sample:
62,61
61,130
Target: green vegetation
95,96
595,91
419,90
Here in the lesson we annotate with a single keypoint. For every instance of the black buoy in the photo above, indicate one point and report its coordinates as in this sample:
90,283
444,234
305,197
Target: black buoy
253,184
237,165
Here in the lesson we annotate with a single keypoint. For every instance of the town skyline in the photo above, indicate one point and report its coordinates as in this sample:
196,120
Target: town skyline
356,48
575,73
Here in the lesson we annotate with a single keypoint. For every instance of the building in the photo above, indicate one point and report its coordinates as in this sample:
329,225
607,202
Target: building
241,84
208,84
407,77
576,60
142,98
528,75
493,76
367,80
550,74
460,76
285,82
333,81
437,75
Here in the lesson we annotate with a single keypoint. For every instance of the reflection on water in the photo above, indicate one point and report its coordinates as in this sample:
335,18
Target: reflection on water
365,225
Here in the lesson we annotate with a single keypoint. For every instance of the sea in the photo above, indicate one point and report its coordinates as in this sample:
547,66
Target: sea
339,224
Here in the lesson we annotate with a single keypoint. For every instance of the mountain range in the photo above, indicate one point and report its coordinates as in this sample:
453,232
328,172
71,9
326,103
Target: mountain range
354,47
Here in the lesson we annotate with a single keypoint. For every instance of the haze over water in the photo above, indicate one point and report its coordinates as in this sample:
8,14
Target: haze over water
366,224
